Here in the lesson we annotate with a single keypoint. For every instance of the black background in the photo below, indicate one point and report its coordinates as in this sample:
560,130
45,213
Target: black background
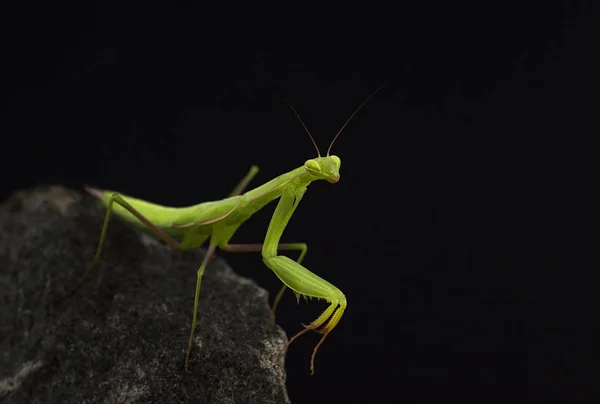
461,228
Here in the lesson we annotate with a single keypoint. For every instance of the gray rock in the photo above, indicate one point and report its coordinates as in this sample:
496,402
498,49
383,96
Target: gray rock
122,337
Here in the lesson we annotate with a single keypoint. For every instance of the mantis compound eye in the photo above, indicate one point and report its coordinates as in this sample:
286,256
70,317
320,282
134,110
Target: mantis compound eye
312,165
337,161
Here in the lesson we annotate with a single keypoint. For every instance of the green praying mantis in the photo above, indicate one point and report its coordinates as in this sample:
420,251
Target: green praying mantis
217,221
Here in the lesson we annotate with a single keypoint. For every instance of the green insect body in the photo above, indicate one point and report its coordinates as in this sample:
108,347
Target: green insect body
217,221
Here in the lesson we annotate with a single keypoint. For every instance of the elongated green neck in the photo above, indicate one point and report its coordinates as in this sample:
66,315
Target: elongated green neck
291,180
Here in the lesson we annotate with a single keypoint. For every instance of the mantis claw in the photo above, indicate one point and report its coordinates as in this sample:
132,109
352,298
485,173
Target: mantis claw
333,313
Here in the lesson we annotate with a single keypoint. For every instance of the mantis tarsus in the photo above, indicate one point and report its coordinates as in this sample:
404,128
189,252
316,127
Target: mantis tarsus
218,221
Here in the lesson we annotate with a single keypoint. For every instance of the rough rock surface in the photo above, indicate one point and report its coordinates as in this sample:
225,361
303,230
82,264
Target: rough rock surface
122,337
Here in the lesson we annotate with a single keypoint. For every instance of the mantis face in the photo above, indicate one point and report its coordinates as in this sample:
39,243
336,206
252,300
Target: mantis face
325,168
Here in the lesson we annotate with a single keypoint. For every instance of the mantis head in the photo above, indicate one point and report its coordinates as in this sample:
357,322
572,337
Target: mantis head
325,168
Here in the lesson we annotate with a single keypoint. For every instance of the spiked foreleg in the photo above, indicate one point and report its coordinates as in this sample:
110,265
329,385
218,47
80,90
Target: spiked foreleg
297,277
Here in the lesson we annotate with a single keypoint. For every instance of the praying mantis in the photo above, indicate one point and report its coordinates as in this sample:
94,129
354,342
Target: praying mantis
217,221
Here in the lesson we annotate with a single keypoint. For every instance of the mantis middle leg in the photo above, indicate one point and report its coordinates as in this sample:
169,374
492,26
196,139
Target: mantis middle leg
239,188
281,247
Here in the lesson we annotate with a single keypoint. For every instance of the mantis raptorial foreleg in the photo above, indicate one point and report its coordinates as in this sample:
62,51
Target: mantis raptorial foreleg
297,277
258,247
281,247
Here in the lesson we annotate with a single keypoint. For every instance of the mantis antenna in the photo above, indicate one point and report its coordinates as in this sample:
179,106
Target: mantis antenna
352,116
305,128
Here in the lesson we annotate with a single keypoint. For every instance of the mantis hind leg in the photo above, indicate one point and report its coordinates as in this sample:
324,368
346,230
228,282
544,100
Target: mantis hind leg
209,252
302,247
116,198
